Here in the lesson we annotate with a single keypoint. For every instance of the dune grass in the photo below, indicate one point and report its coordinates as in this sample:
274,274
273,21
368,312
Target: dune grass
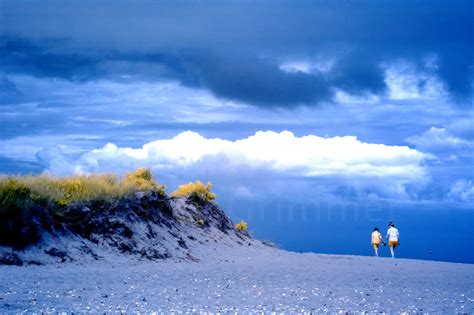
15,191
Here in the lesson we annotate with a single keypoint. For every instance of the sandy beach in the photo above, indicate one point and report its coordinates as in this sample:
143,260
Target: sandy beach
241,279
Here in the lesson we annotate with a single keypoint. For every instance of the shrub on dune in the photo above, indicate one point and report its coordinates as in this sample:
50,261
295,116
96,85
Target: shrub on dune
195,188
241,226
15,196
142,180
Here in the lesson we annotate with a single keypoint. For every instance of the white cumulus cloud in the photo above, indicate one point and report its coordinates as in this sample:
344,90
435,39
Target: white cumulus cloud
308,156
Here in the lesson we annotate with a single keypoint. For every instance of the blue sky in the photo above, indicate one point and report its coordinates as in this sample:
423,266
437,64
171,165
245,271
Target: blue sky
347,101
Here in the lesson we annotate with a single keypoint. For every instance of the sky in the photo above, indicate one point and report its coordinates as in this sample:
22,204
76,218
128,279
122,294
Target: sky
334,103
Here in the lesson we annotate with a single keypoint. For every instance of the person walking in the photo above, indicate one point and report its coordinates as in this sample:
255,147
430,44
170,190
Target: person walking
393,238
376,240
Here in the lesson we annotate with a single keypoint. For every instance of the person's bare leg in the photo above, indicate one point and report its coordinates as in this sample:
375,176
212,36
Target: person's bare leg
376,252
392,251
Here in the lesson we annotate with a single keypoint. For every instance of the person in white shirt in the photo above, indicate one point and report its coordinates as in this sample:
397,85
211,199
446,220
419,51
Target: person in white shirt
393,238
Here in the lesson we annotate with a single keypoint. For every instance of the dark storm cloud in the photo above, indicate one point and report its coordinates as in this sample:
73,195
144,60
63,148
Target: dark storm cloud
235,49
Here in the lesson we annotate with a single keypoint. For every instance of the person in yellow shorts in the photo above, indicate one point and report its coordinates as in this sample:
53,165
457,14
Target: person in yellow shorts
376,240
393,238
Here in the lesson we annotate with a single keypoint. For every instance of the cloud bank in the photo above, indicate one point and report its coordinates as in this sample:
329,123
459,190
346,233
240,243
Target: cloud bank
340,159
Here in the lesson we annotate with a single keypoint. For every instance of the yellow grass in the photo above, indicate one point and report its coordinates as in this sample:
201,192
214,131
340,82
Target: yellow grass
65,190
241,226
195,188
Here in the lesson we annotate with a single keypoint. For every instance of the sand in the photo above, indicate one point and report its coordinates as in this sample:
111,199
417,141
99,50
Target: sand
241,279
